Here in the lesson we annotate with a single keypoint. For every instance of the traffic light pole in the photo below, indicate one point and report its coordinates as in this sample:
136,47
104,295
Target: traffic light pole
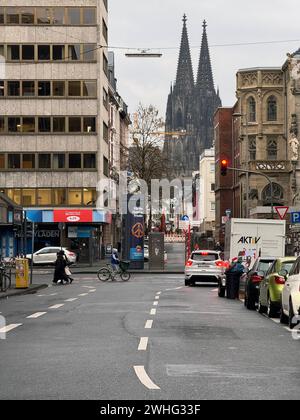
259,174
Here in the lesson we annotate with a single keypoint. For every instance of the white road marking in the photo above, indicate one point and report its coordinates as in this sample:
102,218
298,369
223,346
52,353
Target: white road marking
158,293
53,294
176,288
277,321
93,291
288,329
36,315
143,344
41,295
88,287
157,297
215,290
155,303
149,324
56,306
9,328
71,300
153,312
144,378
83,294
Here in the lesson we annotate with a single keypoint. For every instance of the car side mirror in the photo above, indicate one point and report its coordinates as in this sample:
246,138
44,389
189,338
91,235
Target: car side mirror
283,273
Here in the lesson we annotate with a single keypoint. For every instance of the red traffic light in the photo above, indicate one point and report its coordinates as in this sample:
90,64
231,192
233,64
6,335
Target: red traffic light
224,167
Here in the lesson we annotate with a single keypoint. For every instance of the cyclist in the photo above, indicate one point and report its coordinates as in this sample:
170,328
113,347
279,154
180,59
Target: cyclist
115,262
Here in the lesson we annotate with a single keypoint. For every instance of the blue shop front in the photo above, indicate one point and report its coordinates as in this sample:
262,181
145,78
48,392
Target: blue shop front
10,224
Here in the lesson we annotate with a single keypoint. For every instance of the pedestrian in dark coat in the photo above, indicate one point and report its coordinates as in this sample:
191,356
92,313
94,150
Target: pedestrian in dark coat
60,269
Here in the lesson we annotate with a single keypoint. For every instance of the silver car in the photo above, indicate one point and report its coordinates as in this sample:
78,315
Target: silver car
204,267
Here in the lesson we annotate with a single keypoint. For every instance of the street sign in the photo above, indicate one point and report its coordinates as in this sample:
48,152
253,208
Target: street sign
295,217
185,218
282,211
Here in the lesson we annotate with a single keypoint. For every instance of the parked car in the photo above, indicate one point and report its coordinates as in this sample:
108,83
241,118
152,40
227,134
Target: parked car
146,253
272,285
250,281
48,255
290,297
204,267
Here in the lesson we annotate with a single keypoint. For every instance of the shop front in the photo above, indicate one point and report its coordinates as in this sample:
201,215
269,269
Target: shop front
11,217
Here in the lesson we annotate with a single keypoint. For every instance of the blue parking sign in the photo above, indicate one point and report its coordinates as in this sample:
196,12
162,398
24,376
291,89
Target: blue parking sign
295,217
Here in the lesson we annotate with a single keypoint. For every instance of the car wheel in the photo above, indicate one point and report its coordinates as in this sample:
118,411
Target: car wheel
284,319
292,323
272,310
262,309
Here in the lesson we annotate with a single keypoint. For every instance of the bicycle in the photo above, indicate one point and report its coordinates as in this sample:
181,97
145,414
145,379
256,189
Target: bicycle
107,273
5,279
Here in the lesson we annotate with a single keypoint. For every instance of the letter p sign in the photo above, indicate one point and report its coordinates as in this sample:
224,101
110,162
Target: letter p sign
296,218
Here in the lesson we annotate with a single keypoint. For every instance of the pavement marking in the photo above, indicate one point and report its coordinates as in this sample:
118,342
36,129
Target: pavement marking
41,295
83,294
36,315
71,300
144,378
277,321
53,294
88,287
149,324
93,291
176,288
56,306
215,290
288,329
143,344
9,328
158,293
153,312
157,297
155,303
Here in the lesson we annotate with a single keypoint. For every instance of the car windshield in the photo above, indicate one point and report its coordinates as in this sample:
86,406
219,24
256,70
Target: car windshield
205,257
287,266
264,265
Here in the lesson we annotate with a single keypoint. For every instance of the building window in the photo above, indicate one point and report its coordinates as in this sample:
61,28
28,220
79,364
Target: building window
89,196
252,148
58,16
12,16
105,132
272,147
74,124
212,167
251,109
1,15
89,16
89,161
44,88
104,30
28,197
14,124
14,161
89,125
59,196
13,88
73,15
75,161
213,187
59,161
45,161
27,16
14,195
13,52
28,88
89,88
28,125
44,124
74,88
28,52
2,90
2,161
89,52
58,88
105,65
44,197
105,99
272,108
105,166
43,15
58,52
278,194
74,52
44,52
59,124
2,124
74,197
28,161
212,206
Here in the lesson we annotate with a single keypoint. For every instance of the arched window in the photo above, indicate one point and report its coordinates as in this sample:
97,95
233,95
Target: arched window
251,109
272,108
278,195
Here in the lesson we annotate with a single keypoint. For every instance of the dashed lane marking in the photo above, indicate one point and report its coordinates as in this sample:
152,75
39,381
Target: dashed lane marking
8,328
155,303
83,294
36,315
149,324
144,377
158,293
88,287
71,300
92,291
153,312
56,306
143,344
157,297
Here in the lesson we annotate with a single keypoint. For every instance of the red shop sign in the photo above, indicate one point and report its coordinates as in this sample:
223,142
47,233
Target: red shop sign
72,216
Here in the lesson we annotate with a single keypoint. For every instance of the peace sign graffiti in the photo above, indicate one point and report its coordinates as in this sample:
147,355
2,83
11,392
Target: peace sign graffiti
138,230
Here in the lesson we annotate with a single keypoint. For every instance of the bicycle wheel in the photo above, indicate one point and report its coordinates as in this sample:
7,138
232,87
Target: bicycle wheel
125,276
104,274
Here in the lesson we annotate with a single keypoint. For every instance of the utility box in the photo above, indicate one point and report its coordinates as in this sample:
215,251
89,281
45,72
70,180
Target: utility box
22,273
156,251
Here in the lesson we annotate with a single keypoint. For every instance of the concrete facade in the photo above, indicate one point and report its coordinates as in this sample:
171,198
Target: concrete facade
207,190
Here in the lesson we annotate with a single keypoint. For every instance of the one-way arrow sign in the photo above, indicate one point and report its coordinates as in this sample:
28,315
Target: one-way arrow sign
282,212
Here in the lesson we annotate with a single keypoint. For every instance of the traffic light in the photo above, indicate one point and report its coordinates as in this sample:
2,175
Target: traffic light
224,167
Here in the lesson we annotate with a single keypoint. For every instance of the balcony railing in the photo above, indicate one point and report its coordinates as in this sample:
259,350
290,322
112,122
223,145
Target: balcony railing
271,166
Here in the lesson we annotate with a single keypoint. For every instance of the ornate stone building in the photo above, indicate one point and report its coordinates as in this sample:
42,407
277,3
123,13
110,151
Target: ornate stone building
190,110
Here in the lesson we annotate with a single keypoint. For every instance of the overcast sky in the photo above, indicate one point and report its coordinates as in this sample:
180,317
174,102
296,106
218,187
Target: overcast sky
158,24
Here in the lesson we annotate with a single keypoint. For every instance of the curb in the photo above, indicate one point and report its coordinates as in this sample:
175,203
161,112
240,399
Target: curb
30,291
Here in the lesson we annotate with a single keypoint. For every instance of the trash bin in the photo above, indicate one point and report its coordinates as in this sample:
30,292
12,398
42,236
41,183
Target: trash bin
22,273
232,285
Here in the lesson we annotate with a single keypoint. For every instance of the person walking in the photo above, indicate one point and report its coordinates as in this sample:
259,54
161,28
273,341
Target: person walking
60,275
115,262
233,275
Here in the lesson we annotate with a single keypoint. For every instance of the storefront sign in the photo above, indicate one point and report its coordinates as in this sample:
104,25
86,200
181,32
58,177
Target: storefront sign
73,216
75,232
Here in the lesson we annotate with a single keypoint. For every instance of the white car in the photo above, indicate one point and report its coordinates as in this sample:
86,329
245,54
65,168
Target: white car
204,267
290,298
48,255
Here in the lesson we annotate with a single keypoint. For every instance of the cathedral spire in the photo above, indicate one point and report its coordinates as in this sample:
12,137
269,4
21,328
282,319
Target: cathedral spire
185,77
205,76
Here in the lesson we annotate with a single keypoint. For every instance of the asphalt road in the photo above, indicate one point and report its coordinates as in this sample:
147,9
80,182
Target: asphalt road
103,345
